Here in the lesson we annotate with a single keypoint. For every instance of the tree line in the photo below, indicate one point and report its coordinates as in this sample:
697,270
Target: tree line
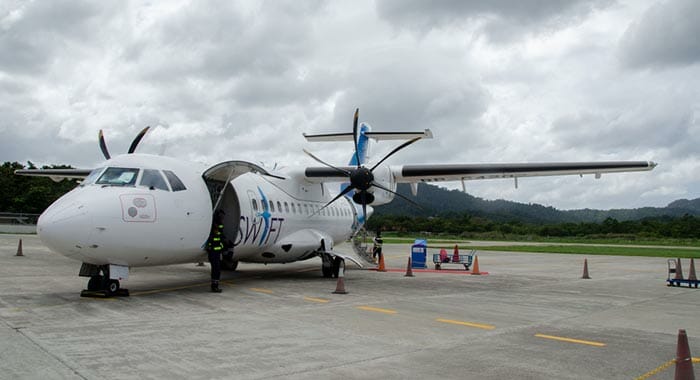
465,225
31,195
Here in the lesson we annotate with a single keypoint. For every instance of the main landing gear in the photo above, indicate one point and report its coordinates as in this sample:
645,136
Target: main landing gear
227,262
100,284
330,266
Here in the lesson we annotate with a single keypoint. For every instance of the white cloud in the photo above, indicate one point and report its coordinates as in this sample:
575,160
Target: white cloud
501,81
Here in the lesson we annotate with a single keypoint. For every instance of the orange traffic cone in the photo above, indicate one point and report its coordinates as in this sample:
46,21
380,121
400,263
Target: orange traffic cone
340,286
684,362
382,267
19,249
679,270
409,270
455,255
691,275
475,269
585,270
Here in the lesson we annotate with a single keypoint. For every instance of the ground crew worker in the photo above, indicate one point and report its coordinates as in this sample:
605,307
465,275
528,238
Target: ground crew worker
377,247
215,247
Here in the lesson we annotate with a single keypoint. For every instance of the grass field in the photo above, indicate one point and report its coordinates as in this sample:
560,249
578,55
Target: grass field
594,250
577,249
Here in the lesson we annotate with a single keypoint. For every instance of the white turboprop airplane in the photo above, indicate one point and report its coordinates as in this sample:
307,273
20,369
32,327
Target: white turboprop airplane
142,210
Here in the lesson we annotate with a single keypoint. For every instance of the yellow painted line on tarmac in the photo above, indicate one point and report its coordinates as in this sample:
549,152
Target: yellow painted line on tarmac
378,310
163,290
261,290
662,367
570,340
470,324
319,300
109,299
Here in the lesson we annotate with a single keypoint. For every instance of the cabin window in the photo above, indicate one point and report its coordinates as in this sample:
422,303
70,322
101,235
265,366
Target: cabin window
153,180
263,205
299,207
175,182
279,206
294,210
272,206
119,177
306,209
255,205
286,207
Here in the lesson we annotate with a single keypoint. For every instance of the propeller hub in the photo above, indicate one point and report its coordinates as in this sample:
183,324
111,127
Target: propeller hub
361,178
363,197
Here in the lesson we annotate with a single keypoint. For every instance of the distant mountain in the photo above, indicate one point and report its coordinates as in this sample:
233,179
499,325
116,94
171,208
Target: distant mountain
686,204
437,201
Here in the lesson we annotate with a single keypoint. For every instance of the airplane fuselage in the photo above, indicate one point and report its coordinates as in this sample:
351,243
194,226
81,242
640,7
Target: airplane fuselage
133,221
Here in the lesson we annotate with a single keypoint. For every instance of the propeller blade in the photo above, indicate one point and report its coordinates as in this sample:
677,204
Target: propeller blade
354,135
137,140
347,190
103,146
395,193
364,206
398,148
325,163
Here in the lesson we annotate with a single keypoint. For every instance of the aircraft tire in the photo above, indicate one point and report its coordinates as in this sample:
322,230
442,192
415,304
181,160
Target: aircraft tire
336,267
95,283
229,264
326,265
112,287
327,271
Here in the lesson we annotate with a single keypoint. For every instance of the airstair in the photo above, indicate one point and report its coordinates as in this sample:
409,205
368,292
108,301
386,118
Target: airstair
361,246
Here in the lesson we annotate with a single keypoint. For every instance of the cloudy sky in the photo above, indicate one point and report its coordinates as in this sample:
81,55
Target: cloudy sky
496,81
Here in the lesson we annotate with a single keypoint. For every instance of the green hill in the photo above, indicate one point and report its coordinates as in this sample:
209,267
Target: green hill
437,201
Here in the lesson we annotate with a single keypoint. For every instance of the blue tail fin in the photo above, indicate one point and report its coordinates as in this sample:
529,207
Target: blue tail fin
362,146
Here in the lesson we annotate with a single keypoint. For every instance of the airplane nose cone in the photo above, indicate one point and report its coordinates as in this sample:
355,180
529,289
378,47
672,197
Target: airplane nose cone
64,227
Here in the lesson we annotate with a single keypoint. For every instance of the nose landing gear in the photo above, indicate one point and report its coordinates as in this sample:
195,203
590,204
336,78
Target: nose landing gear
100,284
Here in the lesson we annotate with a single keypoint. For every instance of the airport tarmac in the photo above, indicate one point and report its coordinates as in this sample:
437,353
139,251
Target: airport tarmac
531,317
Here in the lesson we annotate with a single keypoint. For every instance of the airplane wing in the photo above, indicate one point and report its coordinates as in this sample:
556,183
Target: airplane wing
55,174
461,172
457,172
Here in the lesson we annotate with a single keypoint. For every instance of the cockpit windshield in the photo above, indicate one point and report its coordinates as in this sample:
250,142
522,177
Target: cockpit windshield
90,179
153,180
118,177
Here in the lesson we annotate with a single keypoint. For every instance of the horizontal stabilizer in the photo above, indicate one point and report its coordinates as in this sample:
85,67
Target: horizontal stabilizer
379,136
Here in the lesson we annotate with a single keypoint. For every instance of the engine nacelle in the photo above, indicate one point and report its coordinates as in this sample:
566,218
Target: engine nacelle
382,176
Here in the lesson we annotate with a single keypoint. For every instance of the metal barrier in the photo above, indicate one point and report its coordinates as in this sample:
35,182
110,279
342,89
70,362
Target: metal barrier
18,218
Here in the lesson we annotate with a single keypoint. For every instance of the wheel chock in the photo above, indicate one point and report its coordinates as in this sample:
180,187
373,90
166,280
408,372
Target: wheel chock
104,293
